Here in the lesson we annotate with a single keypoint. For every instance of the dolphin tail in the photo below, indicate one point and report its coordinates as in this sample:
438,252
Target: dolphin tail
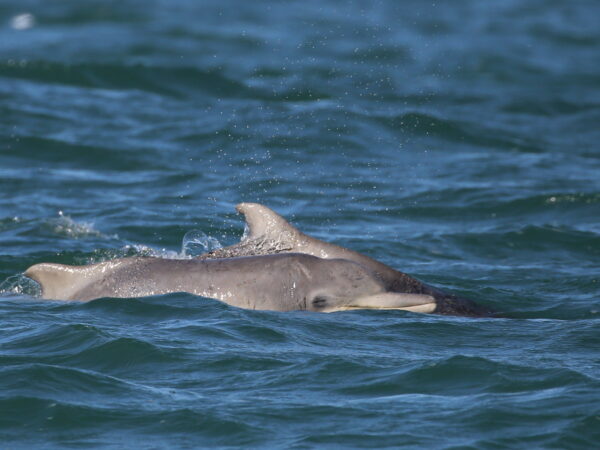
58,281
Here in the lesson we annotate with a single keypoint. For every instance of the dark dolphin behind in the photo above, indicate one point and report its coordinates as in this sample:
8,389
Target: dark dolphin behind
270,233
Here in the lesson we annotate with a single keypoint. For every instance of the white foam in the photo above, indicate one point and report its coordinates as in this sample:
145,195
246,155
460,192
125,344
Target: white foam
22,21
196,242
65,226
19,285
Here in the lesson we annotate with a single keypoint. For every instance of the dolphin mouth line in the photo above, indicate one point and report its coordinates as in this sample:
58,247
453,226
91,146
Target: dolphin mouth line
424,308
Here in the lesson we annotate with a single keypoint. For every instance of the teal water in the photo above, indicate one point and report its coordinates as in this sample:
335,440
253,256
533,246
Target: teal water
455,141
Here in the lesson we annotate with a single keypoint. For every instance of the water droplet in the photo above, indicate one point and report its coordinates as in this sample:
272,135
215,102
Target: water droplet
246,233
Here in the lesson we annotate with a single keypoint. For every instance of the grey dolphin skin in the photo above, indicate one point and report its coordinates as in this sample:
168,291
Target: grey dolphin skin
276,267
283,282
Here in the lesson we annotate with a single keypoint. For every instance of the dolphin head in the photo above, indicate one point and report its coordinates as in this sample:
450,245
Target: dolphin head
342,285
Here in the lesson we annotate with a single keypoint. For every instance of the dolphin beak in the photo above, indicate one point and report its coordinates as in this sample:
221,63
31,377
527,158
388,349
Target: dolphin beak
420,303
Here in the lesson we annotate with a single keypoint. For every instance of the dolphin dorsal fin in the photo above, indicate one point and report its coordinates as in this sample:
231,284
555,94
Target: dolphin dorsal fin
264,222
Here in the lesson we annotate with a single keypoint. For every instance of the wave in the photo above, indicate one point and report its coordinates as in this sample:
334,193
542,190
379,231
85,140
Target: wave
464,375
121,423
57,152
459,131
171,81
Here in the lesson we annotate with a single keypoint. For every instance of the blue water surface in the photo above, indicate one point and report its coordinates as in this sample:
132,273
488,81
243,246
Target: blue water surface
455,141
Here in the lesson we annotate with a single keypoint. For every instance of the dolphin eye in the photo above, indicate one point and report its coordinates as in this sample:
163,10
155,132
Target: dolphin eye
319,301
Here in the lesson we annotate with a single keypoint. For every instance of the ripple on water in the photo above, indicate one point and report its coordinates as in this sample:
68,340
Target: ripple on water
456,141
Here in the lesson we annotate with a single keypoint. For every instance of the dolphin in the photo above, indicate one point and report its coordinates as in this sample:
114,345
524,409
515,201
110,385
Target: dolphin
275,266
280,282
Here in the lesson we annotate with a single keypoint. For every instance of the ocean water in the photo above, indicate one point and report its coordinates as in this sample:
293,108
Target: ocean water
456,141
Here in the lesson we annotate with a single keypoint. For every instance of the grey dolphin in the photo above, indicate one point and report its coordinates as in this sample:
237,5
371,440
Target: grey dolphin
269,233
281,282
